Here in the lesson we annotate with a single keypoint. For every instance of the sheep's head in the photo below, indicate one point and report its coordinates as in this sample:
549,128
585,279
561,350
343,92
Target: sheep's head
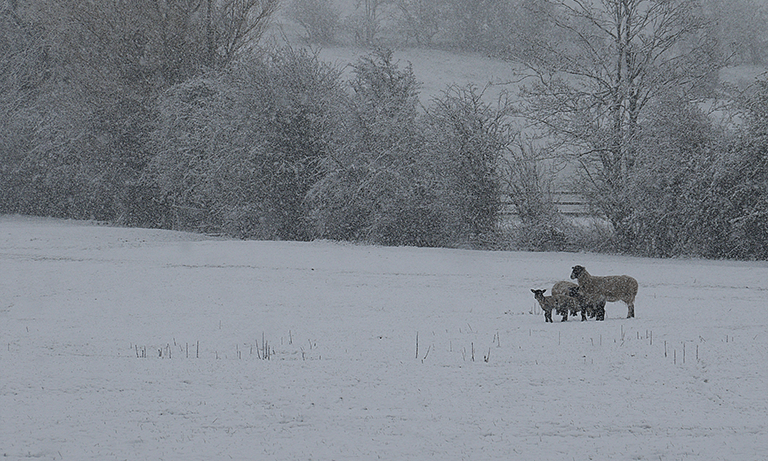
577,271
538,293
573,292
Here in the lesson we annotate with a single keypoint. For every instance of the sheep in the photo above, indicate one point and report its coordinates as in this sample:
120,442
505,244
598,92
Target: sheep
587,307
564,288
562,304
610,288
595,308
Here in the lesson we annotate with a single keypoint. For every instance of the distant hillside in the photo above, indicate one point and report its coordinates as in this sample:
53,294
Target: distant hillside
435,69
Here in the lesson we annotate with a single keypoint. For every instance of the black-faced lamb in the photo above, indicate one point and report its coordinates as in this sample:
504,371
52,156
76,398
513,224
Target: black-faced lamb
595,308
561,304
608,288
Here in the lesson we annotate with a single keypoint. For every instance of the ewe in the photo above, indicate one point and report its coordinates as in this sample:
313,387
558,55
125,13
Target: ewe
610,288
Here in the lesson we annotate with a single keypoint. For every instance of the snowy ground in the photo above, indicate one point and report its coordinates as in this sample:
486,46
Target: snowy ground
99,355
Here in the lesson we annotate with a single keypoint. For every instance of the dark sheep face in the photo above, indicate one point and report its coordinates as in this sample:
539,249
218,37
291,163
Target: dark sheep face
577,270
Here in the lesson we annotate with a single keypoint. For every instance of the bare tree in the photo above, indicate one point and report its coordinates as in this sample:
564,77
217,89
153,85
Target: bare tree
319,18
592,92
240,24
422,19
172,40
741,28
371,12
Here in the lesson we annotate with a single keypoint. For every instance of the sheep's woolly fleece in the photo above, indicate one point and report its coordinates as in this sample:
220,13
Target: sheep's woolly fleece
146,344
609,288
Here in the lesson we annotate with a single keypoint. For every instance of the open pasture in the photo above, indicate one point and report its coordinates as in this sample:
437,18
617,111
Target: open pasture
144,344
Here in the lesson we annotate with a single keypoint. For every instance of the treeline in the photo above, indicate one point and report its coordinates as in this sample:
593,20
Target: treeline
738,28
178,115
128,113
279,148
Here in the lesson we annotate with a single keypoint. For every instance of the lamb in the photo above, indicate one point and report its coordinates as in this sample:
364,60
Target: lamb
562,304
595,308
564,288
610,288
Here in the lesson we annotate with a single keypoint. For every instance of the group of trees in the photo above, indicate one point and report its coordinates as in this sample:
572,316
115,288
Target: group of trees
80,83
624,101
738,28
171,117
489,26
169,114
278,148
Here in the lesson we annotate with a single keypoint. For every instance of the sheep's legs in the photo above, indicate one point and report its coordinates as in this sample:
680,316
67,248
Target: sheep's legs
600,314
630,310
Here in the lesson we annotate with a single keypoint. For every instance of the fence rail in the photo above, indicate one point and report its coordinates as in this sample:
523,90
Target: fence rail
567,203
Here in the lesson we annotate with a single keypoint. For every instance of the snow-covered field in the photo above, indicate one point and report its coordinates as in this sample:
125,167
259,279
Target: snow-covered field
144,344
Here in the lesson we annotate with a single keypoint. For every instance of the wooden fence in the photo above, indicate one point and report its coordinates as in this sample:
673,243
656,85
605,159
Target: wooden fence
567,203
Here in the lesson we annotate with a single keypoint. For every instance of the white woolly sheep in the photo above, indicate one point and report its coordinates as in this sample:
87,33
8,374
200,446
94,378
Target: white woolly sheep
608,288
561,304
